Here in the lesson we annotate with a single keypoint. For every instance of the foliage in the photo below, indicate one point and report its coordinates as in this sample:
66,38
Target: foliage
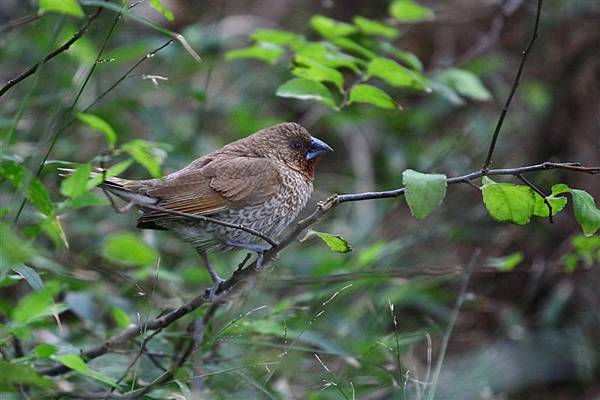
361,309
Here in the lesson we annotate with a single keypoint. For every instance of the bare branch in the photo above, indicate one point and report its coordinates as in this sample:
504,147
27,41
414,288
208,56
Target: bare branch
7,27
76,36
515,85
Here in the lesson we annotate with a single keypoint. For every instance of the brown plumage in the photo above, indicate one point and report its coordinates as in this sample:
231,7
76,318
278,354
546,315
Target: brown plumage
262,182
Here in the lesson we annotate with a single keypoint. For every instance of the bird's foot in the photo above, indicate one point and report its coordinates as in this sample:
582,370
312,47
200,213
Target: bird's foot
212,292
257,248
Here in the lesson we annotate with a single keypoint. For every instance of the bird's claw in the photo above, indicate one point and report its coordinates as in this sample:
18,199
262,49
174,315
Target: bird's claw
260,251
212,292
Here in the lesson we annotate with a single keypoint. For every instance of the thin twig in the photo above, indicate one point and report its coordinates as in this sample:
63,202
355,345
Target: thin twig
539,192
515,85
76,36
18,22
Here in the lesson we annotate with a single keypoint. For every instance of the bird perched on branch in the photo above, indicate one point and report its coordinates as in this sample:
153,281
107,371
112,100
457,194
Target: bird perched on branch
261,182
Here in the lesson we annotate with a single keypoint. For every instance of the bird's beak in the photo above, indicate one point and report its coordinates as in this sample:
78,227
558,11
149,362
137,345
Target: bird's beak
316,148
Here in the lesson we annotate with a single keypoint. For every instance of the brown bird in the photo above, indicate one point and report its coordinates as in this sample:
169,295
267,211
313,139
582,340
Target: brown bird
261,182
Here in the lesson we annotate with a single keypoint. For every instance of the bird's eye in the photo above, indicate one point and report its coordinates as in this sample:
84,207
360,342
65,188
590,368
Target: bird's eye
296,144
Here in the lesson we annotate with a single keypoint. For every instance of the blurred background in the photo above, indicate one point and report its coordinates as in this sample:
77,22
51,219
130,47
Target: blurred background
529,327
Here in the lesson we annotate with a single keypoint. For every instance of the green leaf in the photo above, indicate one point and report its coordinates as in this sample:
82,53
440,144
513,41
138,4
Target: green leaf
466,83
13,249
586,212
409,11
305,89
406,57
31,187
76,184
158,6
506,263
87,200
329,55
373,95
541,208
424,192
148,154
351,45
372,27
506,202
115,170
314,71
20,374
128,249
264,51
95,122
37,194
329,28
276,36
52,227
334,242
75,362
121,318
30,275
70,7
397,75
36,306
44,350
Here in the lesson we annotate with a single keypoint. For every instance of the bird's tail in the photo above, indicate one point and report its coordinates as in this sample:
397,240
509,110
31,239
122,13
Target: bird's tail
125,189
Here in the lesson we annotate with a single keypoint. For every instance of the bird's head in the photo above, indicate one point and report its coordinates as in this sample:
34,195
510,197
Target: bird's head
291,144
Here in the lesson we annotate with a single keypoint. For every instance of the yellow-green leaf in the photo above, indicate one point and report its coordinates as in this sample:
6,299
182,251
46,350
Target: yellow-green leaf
364,93
314,71
424,192
158,6
264,51
305,89
372,27
328,27
95,122
507,202
76,363
128,249
409,11
70,7
334,242
276,36
76,184
396,74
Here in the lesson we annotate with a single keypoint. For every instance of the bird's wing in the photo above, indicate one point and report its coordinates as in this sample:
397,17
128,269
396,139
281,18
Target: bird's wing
221,184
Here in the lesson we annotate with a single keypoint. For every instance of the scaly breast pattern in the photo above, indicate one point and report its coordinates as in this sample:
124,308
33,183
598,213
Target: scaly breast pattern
269,218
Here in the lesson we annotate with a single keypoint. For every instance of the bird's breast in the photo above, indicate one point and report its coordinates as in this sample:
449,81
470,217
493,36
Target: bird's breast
270,217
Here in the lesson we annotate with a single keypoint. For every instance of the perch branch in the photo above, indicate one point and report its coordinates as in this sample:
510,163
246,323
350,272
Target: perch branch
246,274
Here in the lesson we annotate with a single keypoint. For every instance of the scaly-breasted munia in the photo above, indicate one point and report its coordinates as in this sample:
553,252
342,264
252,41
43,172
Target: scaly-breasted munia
261,182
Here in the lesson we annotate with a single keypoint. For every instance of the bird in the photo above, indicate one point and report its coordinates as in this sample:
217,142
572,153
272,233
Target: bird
261,182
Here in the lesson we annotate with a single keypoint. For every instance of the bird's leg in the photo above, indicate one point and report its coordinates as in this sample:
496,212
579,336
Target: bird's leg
257,248
217,280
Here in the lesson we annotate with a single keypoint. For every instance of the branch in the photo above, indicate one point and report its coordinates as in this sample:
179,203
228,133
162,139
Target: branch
515,85
246,274
76,36
18,22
